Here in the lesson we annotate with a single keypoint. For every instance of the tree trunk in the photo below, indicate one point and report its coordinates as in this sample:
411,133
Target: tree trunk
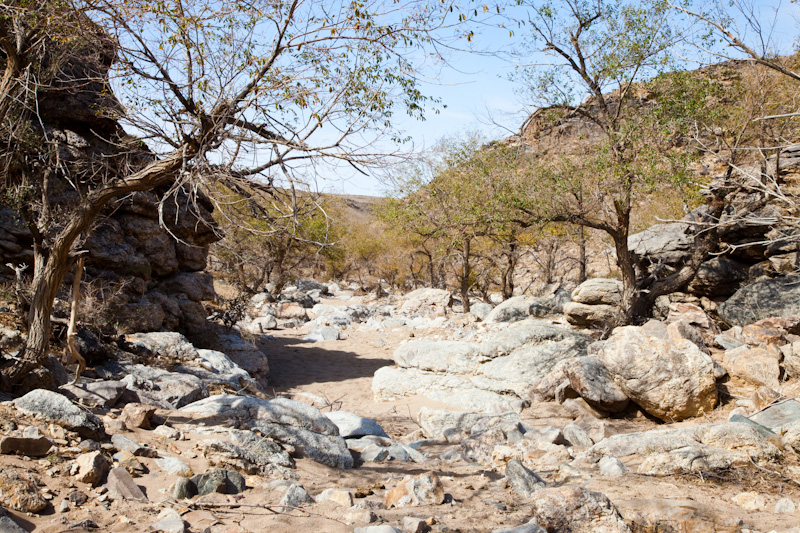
581,254
49,273
465,275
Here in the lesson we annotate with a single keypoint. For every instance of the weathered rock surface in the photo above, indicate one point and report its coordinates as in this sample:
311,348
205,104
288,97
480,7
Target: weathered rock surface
524,482
756,366
571,509
586,315
659,515
480,376
282,420
519,308
590,378
56,408
598,291
763,299
426,302
424,489
19,492
352,425
670,380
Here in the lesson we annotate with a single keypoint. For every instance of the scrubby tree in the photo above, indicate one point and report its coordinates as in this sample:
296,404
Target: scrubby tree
601,54
459,199
207,91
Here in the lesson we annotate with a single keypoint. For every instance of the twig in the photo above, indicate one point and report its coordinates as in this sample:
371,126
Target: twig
73,317
271,508
775,472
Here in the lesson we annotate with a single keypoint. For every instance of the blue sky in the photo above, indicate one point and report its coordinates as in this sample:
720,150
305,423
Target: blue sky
477,91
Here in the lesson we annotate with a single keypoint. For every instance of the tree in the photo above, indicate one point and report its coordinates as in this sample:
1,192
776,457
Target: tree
602,54
220,91
459,199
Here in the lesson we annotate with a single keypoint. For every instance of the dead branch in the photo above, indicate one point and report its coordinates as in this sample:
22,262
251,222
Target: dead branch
73,317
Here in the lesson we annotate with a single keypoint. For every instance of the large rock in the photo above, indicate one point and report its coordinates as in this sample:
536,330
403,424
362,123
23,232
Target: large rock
216,367
427,302
671,380
719,276
439,356
571,509
287,421
763,299
690,449
168,390
434,422
352,425
56,408
666,243
164,345
586,315
244,354
19,492
756,366
519,308
598,291
590,378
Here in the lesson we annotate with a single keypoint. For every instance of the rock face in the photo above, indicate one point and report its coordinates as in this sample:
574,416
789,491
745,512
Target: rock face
671,380
498,374
777,297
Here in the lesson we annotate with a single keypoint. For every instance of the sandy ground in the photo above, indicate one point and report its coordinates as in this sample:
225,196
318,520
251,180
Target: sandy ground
341,373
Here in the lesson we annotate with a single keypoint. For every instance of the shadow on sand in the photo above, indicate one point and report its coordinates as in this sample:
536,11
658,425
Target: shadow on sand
294,362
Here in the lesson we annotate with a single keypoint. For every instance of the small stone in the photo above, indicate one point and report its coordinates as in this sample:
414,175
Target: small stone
19,493
183,489
92,467
523,481
750,501
174,466
338,496
123,443
611,466
577,436
424,489
360,516
128,461
120,480
64,507
169,522
168,432
77,497
785,505
137,415
32,447
219,480
415,525
296,496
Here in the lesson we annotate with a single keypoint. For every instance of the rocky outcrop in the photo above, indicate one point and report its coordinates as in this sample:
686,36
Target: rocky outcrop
499,373
147,249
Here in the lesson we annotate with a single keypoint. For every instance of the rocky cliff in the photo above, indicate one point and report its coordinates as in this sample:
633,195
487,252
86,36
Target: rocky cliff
149,249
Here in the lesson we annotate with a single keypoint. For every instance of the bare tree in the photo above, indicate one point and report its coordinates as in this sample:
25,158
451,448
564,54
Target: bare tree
208,92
